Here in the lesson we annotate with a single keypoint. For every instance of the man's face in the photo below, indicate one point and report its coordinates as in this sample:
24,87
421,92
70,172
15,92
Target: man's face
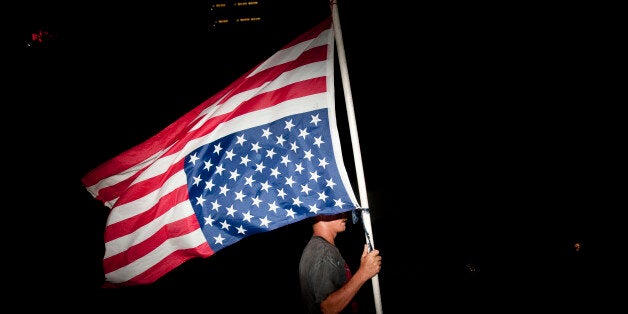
339,224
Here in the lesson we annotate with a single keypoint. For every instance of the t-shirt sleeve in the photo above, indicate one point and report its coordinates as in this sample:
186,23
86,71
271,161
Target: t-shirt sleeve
327,280
322,283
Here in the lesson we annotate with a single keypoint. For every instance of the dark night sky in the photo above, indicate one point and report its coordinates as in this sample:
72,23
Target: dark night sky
504,121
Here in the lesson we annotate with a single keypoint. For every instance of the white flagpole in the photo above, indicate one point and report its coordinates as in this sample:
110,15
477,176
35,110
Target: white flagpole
357,156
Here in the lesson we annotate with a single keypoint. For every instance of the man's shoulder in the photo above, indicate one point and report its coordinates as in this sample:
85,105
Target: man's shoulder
318,246
318,240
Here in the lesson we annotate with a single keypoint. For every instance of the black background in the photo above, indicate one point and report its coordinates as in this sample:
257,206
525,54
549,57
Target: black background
489,137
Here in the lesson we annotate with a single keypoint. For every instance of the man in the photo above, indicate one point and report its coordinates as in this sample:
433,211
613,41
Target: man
327,285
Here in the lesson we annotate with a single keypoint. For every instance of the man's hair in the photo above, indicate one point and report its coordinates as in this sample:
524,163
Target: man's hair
332,217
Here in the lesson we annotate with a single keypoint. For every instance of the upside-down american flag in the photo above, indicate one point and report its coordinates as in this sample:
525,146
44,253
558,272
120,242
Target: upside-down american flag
262,153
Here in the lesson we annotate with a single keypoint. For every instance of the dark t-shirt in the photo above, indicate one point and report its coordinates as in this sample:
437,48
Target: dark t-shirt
321,272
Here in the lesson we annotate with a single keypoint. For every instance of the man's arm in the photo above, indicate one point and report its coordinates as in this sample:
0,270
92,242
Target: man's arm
370,264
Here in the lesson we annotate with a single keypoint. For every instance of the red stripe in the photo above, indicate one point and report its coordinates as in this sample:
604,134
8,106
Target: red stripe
312,33
166,265
143,151
129,225
172,230
109,193
315,54
142,188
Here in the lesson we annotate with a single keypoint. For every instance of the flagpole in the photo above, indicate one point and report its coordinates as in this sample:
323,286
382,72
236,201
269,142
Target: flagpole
357,156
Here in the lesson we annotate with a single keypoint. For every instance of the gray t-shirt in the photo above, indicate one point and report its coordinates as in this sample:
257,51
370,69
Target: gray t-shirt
322,270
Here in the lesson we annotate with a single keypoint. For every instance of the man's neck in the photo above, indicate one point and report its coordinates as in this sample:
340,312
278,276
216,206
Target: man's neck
328,236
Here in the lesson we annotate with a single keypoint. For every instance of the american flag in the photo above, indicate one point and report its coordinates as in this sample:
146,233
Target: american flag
262,153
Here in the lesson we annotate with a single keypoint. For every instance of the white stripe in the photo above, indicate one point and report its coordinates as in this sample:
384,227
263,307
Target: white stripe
121,176
178,212
302,73
292,53
139,266
136,207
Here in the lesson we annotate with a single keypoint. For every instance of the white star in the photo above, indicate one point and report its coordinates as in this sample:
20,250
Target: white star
245,160
215,205
234,175
255,147
249,181
296,201
219,239
280,140
275,172
193,159
231,211
270,153
299,168
241,230
330,183
264,222
197,180
208,164
289,125
247,216
314,176
285,160
256,201
200,200
225,225
338,203
323,163
240,140
209,220
303,133
265,186
289,181
308,155
318,141
281,193
266,133
305,189
224,189
294,146
209,184
240,196
219,169
315,119
314,209
230,155
290,212
322,196
259,167
273,207
217,149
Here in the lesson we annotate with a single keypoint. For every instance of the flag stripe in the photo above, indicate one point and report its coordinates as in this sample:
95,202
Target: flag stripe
144,195
151,215
133,252
164,258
